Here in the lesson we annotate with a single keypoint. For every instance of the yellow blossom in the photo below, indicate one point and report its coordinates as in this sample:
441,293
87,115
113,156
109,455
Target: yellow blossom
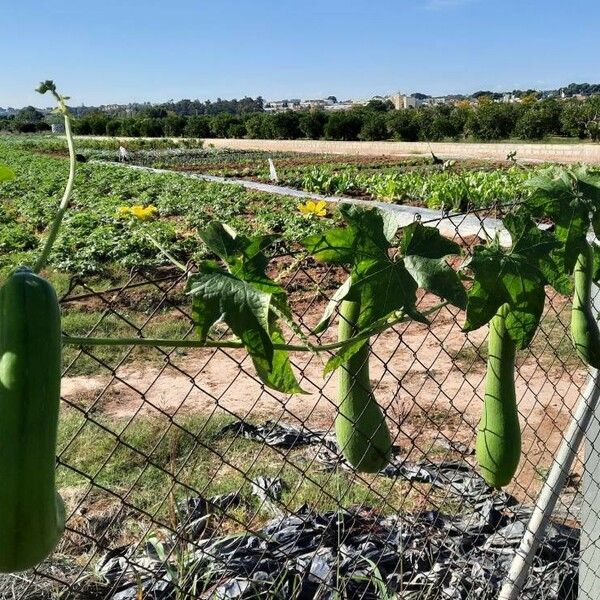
309,208
138,211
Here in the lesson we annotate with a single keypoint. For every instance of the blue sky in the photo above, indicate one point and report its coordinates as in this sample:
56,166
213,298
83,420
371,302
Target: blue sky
135,50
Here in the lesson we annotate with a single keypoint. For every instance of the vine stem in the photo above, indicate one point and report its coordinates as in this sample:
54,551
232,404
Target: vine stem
170,343
64,203
171,258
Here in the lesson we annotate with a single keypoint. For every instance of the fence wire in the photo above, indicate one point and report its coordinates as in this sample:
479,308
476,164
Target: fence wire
184,477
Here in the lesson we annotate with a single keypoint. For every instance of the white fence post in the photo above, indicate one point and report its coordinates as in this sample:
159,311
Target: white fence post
589,565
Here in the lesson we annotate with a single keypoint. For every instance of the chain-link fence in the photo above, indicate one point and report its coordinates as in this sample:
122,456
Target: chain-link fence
184,477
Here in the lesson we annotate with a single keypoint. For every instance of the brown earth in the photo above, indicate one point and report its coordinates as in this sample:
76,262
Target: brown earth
429,380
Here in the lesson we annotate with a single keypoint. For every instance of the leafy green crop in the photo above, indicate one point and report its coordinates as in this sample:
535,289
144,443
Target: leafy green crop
93,236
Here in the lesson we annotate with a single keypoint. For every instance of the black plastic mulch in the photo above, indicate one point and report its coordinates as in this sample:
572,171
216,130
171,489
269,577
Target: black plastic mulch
350,554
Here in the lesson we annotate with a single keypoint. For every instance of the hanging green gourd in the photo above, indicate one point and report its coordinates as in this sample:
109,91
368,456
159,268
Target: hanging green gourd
31,512
360,427
584,327
498,447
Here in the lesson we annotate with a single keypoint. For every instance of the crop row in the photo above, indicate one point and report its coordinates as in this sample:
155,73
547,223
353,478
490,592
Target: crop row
100,232
455,190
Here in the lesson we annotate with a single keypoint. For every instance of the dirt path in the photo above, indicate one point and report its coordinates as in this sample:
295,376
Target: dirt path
540,152
428,393
567,153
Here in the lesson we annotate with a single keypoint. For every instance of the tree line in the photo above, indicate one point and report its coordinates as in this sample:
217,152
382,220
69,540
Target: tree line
531,119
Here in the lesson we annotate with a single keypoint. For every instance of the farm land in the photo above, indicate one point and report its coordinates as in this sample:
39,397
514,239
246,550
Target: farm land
102,247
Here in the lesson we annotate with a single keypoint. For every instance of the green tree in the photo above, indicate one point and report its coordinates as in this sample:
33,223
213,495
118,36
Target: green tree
344,125
130,127
258,126
197,126
312,124
29,114
286,125
151,127
219,124
113,127
539,120
237,130
173,125
582,119
403,125
374,127
492,120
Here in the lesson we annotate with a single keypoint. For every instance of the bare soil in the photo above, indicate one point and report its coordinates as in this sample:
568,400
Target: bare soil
429,394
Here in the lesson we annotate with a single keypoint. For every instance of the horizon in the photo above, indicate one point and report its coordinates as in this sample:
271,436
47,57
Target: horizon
200,50
289,97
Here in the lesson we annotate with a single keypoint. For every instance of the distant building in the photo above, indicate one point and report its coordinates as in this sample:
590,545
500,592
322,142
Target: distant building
403,102
315,103
439,100
277,105
344,105
58,128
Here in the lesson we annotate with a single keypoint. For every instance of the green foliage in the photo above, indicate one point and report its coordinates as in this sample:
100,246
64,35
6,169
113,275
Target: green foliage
570,198
94,238
455,190
374,128
382,284
343,126
581,119
515,277
323,180
312,124
492,121
539,120
6,173
244,298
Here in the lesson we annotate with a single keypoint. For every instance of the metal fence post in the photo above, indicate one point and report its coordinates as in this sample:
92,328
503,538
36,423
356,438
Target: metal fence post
589,565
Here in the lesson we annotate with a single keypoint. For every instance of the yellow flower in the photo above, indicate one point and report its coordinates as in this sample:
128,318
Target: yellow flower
138,211
309,208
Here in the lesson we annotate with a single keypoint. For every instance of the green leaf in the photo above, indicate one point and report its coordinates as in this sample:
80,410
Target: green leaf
280,376
381,284
243,256
382,287
528,239
571,229
364,238
569,197
335,246
553,269
6,173
343,355
436,276
482,304
427,242
222,295
524,285
391,222
246,309
517,277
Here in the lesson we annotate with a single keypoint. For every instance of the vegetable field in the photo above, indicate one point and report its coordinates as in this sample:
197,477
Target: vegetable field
262,398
